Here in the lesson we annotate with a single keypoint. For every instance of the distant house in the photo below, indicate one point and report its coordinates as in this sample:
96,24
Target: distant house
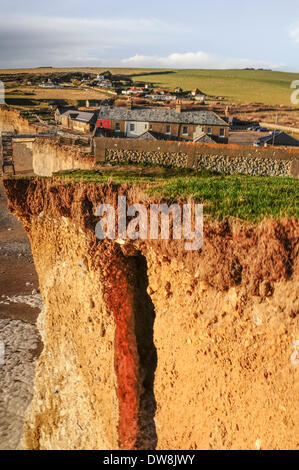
134,91
105,83
167,124
162,95
178,90
195,92
103,76
79,121
60,110
162,91
278,138
201,98
50,85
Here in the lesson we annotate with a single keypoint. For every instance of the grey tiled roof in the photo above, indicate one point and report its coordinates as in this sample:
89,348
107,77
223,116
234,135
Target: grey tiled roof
83,116
280,138
160,115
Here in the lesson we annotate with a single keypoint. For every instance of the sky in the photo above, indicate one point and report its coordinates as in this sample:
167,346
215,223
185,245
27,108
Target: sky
175,34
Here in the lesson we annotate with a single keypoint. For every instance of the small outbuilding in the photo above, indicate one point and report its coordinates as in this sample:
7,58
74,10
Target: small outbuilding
278,138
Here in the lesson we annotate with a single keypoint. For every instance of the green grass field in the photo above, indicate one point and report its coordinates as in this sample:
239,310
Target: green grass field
240,86
248,198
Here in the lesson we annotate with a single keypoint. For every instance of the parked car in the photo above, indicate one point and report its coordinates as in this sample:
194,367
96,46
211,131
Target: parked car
256,144
262,129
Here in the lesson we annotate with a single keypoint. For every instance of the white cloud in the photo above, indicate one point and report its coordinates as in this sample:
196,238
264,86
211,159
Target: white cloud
198,59
39,40
42,41
294,32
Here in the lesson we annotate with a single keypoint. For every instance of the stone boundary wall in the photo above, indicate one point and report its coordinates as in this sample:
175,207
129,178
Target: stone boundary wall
228,159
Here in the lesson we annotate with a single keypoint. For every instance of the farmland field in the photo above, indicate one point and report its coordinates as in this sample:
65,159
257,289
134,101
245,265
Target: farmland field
37,93
235,85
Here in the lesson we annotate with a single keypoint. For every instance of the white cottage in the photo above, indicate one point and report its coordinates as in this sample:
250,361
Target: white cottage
136,128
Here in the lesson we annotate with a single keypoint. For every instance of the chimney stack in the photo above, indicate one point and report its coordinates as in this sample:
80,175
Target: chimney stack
178,106
130,104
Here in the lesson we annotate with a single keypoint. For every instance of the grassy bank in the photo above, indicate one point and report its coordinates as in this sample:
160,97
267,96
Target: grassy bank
250,198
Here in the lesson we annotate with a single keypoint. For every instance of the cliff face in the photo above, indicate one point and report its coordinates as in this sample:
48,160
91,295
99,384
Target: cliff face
11,121
149,346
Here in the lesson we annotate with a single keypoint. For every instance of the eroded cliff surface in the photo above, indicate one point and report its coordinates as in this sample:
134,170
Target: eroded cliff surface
12,121
149,346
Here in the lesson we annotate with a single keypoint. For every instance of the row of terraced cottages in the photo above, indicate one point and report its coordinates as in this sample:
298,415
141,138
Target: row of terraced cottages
167,124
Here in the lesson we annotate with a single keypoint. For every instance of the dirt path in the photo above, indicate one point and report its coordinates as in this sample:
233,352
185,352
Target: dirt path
20,304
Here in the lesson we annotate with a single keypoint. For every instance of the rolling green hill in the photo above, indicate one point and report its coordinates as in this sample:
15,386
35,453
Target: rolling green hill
235,85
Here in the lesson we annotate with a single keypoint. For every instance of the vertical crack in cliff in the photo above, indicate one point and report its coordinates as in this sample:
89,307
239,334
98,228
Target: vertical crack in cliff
144,330
135,361
119,297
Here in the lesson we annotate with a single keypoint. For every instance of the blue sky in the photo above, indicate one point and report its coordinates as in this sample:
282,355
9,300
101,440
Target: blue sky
187,34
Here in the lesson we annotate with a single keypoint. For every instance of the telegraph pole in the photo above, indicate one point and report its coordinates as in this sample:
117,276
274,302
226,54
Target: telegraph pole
276,122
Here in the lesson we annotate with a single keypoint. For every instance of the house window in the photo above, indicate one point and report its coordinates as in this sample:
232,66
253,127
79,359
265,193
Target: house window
167,130
185,130
117,127
151,127
132,127
209,130
222,134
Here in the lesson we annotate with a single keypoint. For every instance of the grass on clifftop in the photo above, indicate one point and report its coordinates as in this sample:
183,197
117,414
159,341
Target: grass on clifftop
245,197
250,198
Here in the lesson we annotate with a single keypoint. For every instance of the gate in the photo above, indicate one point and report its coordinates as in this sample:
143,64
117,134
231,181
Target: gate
7,152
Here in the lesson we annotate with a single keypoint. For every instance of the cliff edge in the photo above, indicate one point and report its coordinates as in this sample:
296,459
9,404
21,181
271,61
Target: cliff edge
149,346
